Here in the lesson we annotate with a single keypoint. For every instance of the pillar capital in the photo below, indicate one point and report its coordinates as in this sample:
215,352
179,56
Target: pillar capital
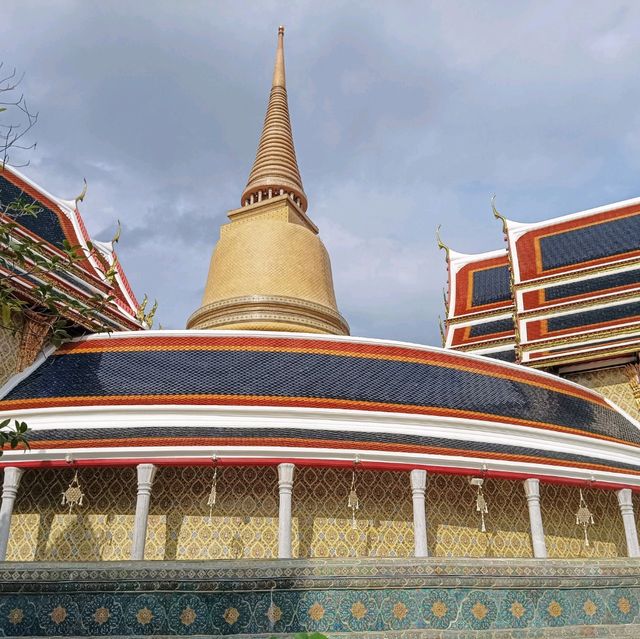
12,476
418,480
146,475
285,474
532,488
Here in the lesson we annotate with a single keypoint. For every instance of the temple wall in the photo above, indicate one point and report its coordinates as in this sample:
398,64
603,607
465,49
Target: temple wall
244,521
613,383
42,529
9,346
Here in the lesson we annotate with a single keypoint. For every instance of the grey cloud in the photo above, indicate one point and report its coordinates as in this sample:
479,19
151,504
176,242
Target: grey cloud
405,115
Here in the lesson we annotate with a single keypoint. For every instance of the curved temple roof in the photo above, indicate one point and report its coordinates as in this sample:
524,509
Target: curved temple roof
184,393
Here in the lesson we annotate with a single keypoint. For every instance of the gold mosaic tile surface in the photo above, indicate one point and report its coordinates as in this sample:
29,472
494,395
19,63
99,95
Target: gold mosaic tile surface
565,539
454,527
9,345
42,529
322,520
613,383
244,521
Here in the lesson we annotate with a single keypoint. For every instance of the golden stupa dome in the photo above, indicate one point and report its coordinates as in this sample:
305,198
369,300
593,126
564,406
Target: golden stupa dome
270,270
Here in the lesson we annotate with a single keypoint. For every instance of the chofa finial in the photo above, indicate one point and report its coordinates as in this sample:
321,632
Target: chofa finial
497,214
441,244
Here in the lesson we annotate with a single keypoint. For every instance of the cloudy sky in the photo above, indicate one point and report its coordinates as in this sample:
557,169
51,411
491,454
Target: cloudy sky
405,115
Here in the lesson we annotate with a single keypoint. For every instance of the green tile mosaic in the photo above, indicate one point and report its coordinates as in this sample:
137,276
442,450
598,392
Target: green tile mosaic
341,598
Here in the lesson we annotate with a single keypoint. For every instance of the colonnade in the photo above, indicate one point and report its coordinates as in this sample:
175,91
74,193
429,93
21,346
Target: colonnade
286,476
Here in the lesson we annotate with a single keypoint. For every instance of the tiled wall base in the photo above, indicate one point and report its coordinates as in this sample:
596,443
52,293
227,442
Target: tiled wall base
342,598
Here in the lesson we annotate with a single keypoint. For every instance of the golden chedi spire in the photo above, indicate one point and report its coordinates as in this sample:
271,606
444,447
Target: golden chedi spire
275,169
270,270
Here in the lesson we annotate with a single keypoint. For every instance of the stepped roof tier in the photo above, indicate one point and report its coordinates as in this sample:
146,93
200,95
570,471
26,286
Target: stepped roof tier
174,395
58,222
574,289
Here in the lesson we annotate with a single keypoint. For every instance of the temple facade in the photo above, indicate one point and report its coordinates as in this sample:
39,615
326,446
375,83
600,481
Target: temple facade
262,472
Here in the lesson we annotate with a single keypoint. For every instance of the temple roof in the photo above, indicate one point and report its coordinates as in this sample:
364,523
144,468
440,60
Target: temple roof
106,396
275,167
480,304
59,221
572,285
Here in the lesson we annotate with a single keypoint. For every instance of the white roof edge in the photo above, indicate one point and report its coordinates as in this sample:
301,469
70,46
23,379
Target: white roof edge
520,226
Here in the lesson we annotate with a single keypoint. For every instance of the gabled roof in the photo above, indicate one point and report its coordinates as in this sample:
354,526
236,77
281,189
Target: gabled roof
480,304
58,221
577,281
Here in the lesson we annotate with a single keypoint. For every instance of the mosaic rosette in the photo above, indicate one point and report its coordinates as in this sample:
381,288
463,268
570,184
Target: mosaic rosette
188,616
517,609
145,615
231,615
439,608
316,611
479,610
358,611
590,609
102,615
274,613
18,615
555,608
399,610
58,615
623,605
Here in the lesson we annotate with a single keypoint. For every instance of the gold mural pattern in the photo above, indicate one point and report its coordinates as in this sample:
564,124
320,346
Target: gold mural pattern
565,539
9,347
613,383
454,526
243,523
322,523
244,520
42,529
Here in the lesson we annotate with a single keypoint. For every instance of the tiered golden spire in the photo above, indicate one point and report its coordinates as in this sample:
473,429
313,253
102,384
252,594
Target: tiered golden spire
269,270
275,170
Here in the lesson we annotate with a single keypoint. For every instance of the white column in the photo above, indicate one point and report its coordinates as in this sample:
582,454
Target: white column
418,487
532,491
146,474
285,488
12,477
630,531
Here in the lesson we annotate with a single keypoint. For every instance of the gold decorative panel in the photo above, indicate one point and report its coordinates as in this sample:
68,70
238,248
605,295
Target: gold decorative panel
613,383
42,529
453,524
243,523
9,348
565,539
244,520
322,521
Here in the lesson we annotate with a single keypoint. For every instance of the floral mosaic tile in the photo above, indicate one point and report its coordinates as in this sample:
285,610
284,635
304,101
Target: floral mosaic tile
340,598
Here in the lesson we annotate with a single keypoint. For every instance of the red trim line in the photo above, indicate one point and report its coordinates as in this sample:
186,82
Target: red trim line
317,463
